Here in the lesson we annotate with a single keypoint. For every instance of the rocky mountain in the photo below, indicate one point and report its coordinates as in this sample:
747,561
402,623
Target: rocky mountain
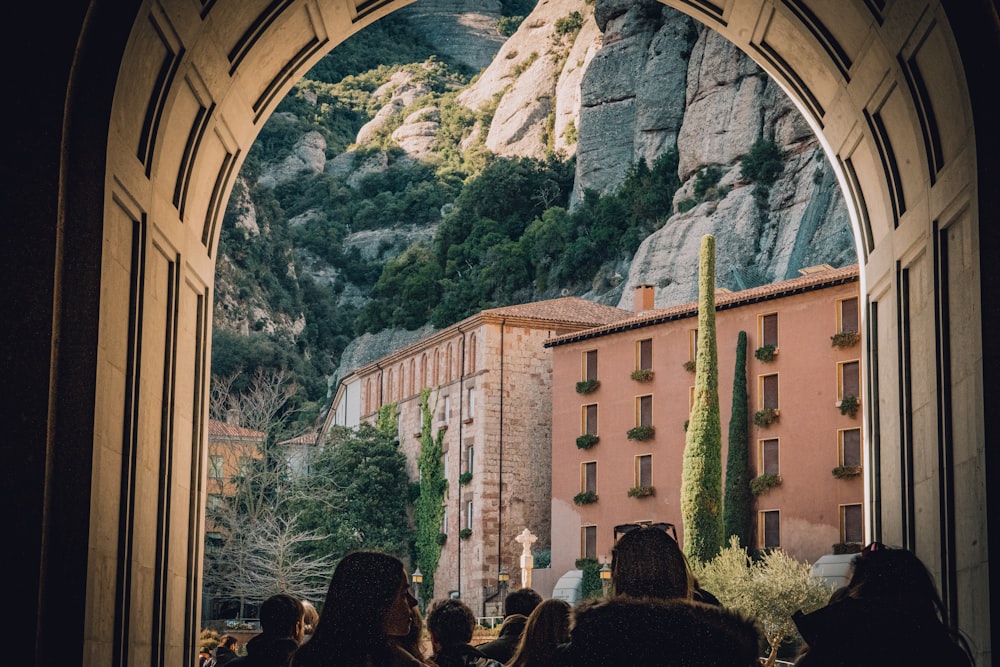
607,83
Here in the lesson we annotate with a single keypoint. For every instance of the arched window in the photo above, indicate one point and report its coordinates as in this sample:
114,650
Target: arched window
402,382
413,372
437,354
389,387
423,370
448,364
368,396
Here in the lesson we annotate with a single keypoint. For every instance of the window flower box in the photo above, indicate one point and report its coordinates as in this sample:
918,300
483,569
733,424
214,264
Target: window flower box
465,533
587,386
587,440
846,472
690,365
849,406
641,491
766,353
585,498
640,433
765,417
845,339
642,375
442,538
465,478
764,483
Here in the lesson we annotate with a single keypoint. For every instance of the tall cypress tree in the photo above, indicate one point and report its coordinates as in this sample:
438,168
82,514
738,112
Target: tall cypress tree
701,478
736,511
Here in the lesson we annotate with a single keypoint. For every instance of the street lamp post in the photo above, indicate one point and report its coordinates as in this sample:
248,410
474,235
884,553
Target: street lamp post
417,578
605,573
503,576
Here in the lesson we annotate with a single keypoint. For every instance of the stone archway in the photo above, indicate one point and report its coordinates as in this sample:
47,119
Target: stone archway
163,104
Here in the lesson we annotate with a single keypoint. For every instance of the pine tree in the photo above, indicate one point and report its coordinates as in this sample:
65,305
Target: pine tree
701,478
736,511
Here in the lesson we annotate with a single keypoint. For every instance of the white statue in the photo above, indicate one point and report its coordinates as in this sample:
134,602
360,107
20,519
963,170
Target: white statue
526,539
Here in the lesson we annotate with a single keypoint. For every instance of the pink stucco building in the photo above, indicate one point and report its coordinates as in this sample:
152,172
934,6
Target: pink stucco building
812,445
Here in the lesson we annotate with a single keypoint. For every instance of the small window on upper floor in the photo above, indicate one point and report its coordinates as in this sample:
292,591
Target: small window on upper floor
644,410
644,470
768,329
644,354
769,391
215,467
588,476
590,419
852,524
769,529
768,457
693,344
590,365
850,447
848,318
588,542
849,379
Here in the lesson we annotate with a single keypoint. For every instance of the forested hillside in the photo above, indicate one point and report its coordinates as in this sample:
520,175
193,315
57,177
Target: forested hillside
381,198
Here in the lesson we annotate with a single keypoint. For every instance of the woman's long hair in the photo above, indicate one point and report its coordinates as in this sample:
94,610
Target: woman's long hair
351,627
547,627
647,562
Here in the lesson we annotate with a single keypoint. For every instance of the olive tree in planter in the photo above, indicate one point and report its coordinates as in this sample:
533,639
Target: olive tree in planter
587,386
585,498
764,483
587,440
640,433
641,491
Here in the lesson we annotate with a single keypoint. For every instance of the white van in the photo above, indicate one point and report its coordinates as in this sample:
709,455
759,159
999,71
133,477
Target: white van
834,569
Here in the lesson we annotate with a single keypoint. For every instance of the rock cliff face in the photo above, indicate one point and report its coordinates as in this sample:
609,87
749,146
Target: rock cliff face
464,30
692,89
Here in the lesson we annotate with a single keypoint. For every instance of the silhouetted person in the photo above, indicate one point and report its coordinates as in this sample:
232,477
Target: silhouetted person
413,641
516,610
647,562
282,624
451,623
547,629
309,620
889,613
367,603
225,652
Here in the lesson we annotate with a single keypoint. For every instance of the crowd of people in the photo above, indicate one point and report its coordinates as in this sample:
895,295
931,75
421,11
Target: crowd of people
656,613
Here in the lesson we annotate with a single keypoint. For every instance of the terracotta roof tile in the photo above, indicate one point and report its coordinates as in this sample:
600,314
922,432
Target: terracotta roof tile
221,429
723,300
570,309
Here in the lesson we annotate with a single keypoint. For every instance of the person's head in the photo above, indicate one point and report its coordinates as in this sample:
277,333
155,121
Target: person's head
547,628
413,640
450,622
281,615
368,600
310,618
228,643
522,601
647,562
896,577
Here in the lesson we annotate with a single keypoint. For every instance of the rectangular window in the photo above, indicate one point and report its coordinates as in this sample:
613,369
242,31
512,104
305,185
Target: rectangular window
690,399
215,467
644,354
769,329
472,402
693,344
244,465
769,391
644,470
644,410
847,314
470,459
447,408
850,379
588,476
588,542
769,529
468,515
850,447
590,365
590,419
444,521
769,456
851,524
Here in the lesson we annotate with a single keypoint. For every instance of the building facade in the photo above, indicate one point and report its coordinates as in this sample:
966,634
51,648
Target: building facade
488,384
805,439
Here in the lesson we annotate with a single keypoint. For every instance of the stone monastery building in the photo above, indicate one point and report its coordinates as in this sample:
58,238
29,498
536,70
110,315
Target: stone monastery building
489,382
638,372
